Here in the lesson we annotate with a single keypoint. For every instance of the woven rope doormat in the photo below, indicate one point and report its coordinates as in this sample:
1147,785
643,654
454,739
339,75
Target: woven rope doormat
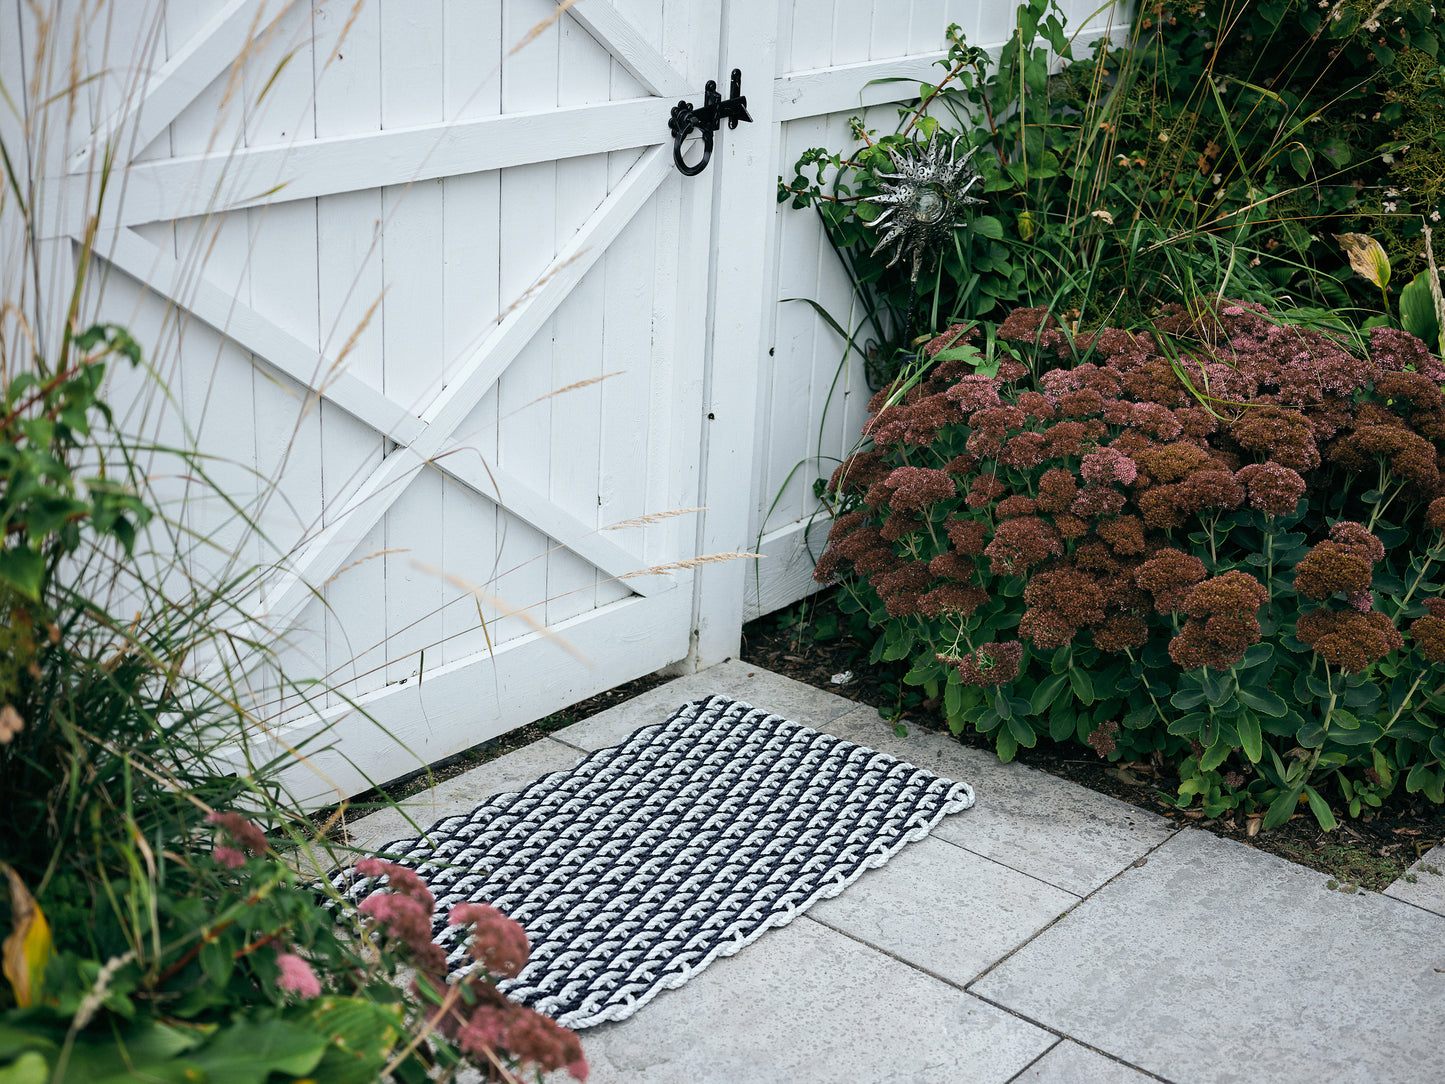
640,866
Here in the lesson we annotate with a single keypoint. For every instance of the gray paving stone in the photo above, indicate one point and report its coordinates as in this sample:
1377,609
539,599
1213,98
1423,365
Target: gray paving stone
751,684
806,1004
1428,888
1051,829
1219,963
1070,1063
944,909
461,793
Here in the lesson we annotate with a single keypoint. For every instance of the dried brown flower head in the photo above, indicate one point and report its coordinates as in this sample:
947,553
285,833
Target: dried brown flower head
1273,488
1208,490
1021,544
1169,576
1280,434
1428,634
1331,567
988,665
915,488
1357,537
1121,632
968,536
1348,639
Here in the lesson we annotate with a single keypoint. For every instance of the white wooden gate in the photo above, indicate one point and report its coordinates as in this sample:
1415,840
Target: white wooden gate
421,276
425,281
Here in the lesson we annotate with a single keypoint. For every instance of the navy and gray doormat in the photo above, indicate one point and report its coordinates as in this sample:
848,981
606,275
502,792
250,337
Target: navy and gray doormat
640,866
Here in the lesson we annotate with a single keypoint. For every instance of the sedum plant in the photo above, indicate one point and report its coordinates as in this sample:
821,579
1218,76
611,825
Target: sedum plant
1217,540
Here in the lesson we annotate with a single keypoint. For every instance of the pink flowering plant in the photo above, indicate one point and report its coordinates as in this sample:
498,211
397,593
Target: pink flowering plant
1214,542
151,931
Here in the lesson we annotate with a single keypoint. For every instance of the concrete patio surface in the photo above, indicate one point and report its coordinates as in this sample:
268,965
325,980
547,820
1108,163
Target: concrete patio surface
1049,935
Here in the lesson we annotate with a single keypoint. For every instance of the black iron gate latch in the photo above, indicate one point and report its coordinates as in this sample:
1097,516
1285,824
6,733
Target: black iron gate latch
707,120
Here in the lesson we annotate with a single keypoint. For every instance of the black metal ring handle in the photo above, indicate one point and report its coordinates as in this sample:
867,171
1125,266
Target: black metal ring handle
707,120
683,167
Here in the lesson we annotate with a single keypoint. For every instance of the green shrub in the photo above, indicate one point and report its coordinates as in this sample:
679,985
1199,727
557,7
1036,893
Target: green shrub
1217,539
151,931
1215,152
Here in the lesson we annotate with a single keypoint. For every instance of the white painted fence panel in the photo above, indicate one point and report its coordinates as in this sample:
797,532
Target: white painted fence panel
811,398
423,280
417,269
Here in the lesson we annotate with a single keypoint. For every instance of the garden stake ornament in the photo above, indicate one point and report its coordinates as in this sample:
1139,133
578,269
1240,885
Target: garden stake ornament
925,201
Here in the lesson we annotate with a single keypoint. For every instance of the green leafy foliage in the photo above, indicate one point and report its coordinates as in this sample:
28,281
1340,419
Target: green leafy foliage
1185,161
159,938
1217,538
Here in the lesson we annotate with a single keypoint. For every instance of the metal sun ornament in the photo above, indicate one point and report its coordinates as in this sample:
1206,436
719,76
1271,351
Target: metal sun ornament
925,199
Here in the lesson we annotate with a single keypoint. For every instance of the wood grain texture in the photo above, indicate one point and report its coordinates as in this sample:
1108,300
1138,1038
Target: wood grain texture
378,263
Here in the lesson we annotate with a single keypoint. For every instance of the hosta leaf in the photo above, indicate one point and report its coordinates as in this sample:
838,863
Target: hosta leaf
1419,313
28,946
1367,257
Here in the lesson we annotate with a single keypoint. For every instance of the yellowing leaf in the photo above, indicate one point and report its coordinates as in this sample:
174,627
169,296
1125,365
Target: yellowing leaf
27,949
1367,257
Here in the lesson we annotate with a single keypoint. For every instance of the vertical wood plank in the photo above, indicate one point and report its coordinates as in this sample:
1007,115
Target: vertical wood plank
584,71
216,376
415,527
470,305
852,25
167,42
412,92
121,49
888,34
346,63
526,241
992,23
927,23
356,618
471,60
472,50
346,66
800,236
627,351
812,37
743,183
411,62
412,349
287,429
278,83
